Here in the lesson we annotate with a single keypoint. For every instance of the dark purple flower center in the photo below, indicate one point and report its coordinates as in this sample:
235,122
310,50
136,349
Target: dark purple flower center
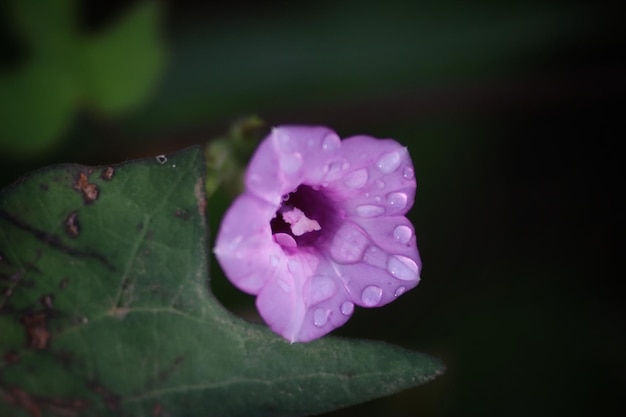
306,215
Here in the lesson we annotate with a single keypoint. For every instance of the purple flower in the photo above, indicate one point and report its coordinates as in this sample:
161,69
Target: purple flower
320,228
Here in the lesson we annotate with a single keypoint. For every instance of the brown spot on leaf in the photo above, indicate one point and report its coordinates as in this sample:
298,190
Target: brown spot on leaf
157,409
34,405
16,277
200,194
46,301
119,312
25,400
107,173
36,329
183,214
72,226
11,356
111,400
89,191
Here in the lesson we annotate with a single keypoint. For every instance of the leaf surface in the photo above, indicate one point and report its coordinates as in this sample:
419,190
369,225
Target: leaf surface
105,309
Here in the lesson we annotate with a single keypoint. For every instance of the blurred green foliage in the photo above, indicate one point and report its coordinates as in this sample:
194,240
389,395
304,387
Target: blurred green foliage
112,71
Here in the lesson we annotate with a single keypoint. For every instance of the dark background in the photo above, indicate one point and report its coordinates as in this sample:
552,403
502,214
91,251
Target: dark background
511,112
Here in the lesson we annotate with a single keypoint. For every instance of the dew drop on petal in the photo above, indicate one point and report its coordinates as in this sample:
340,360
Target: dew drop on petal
348,244
408,173
397,200
389,162
274,260
294,266
371,295
284,285
375,257
285,240
369,210
402,233
399,291
380,184
402,268
292,162
334,167
331,143
347,308
356,179
345,166
320,317
321,288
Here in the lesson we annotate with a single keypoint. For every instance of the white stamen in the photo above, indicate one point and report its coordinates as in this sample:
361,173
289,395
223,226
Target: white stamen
299,222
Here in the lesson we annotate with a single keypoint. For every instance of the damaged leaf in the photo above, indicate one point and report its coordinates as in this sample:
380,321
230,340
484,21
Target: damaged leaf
105,309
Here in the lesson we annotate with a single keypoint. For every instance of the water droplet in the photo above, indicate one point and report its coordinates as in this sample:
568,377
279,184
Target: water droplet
371,295
402,234
397,200
402,268
334,167
347,308
320,288
369,210
348,244
345,166
367,195
399,291
356,179
320,317
292,162
380,184
284,285
389,162
377,198
408,173
331,143
375,257
286,197
294,266
285,240
161,159
274,260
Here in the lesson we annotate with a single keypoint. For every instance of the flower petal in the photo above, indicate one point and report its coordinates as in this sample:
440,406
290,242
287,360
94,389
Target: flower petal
244,244
379,179
281,302
376,260
289,157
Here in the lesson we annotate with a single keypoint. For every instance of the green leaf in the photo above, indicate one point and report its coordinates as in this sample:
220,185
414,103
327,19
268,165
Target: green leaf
123,64
105,309
113,71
